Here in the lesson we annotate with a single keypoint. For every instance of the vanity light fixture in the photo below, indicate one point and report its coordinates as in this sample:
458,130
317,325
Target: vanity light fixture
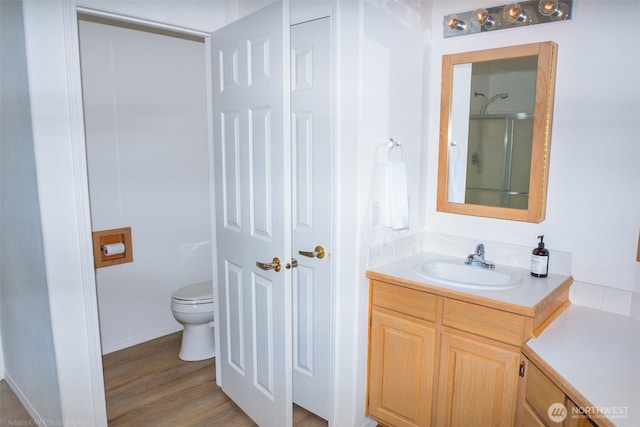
520,14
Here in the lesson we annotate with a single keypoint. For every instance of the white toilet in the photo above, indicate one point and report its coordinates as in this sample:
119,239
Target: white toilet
192,306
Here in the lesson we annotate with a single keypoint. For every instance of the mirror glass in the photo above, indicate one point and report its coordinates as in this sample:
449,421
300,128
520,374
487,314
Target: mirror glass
495,127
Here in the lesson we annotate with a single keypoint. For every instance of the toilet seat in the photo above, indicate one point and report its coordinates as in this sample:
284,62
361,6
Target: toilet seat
198,293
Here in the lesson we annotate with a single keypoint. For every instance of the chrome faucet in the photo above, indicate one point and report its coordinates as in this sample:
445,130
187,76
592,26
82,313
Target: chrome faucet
477,259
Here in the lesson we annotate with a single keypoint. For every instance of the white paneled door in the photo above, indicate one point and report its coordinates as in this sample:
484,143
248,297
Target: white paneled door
253,219
311,214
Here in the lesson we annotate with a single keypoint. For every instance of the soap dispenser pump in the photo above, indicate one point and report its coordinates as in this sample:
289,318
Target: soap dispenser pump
540,260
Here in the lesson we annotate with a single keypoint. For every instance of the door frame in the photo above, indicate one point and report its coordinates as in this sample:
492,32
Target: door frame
70,11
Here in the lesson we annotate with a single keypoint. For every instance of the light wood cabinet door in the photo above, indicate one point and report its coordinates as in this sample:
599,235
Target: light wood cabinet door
541,393
530,418
478,383
401,369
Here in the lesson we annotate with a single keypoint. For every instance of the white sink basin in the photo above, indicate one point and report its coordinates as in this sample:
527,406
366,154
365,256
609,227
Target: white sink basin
457,273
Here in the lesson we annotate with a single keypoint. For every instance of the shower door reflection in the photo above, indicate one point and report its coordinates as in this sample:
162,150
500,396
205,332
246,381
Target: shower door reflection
503,180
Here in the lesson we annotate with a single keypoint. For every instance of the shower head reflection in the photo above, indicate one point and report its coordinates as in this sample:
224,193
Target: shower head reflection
502,95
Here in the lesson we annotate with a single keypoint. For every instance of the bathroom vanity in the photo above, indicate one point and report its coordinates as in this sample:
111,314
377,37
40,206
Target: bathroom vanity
441,354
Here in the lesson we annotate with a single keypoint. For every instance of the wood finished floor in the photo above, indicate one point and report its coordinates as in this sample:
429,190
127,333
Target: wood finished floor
148,385
12,413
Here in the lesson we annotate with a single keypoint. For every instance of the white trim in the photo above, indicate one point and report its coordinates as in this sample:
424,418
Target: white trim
1,358
212,195
37,418
139,21
79,159
287,200
1,352
334,213
57,130
348,392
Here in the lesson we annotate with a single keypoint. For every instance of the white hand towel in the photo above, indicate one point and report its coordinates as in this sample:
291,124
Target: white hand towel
396,196
456,186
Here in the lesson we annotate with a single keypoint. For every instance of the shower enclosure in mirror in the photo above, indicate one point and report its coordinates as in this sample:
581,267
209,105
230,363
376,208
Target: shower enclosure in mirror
501,115
495,131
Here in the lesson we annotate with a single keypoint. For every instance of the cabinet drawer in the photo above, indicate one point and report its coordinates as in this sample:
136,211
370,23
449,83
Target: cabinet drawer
487,322
541,392
404,300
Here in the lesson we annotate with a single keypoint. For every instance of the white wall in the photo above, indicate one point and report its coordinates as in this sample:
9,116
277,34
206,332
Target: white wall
379,55
147,152
593,201
1,85
29,359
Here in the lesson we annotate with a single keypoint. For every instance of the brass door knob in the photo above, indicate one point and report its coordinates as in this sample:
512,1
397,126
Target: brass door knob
273,265
318,252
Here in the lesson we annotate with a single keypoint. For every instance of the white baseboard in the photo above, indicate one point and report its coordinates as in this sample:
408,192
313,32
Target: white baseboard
140,339
366,422
1,361
38,420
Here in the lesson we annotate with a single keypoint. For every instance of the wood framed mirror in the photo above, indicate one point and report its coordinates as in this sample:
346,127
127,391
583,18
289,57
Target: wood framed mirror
496,112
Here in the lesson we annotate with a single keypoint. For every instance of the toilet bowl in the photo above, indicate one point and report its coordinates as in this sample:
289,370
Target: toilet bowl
192,306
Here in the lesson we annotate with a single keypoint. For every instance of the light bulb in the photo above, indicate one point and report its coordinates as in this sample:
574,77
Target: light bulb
547,7
562,12
553,9
482,17
454,23
514,13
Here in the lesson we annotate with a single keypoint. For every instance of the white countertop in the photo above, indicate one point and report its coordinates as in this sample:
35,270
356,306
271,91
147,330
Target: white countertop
598,354
530,292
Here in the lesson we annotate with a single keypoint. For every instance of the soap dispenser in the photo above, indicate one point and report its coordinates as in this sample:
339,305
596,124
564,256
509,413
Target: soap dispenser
540,260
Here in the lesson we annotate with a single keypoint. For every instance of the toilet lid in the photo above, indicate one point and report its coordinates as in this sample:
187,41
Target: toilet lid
201,292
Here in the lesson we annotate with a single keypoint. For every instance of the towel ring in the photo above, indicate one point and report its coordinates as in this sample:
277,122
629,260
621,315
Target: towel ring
394,145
